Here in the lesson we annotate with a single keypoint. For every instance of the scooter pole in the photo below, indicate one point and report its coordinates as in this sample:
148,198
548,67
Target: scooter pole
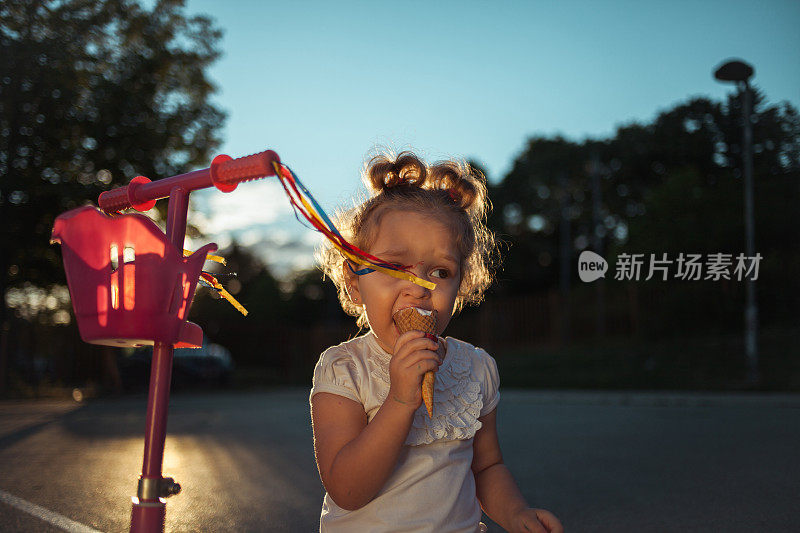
148,513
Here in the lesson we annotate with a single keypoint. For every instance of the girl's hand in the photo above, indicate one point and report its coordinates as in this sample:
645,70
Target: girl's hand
414,354
529,520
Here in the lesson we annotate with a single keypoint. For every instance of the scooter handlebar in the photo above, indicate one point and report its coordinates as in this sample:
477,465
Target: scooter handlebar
224,173
114,200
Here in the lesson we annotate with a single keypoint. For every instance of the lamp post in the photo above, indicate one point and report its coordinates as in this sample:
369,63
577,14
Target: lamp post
739,72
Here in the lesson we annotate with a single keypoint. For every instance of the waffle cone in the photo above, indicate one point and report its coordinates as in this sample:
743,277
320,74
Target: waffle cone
408,319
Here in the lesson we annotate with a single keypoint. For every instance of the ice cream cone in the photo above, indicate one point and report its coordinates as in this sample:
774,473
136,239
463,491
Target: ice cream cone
422,320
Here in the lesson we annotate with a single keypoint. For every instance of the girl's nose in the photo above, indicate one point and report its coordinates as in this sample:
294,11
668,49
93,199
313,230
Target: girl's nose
416,291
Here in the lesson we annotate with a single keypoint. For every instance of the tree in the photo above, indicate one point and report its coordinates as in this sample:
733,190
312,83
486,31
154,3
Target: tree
546,182
683,164
93,94
697,207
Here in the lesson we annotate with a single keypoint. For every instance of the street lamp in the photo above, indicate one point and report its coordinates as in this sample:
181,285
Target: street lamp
739,72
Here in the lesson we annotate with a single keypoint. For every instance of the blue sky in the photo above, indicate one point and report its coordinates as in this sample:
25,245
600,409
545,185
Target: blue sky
323,83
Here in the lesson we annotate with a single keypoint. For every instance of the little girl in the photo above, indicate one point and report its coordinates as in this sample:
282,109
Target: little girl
385,463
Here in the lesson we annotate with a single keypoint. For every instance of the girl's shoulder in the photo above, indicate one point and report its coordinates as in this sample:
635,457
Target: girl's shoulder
352,348
357,350
340,369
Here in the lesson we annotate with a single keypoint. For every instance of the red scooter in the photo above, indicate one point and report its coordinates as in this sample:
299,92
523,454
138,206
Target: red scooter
131,285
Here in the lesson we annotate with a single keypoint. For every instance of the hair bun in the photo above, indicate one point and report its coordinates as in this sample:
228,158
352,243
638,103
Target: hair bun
465,185
458,181
383,172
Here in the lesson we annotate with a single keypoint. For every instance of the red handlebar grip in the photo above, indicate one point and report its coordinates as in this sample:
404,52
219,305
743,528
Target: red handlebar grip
226,173
114,200
125,197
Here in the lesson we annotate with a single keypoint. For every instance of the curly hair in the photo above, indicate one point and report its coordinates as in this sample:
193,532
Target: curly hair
451,190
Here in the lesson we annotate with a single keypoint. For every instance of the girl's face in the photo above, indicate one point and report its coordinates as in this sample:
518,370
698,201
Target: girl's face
425,243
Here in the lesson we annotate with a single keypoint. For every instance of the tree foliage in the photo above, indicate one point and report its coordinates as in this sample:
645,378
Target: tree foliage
670,185
93,93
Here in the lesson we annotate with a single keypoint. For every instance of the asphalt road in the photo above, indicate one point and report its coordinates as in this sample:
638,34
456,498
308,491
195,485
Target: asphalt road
621,462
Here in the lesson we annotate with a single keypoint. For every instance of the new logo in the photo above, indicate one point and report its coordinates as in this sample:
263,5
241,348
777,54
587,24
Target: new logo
591,266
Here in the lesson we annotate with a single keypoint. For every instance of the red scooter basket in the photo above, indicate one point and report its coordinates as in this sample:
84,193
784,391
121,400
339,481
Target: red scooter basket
129,285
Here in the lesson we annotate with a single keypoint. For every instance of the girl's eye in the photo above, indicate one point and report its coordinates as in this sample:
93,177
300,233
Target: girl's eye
442,273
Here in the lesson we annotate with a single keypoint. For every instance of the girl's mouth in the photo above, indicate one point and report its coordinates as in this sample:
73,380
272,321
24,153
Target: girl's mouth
422,310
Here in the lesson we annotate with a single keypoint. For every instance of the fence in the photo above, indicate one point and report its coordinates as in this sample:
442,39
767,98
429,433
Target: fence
34,354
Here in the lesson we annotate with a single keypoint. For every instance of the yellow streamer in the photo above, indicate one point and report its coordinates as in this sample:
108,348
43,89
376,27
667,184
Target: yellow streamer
209,257
225,294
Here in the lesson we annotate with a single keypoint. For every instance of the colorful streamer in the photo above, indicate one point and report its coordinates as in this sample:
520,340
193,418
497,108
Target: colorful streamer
317,217
209,280
303,202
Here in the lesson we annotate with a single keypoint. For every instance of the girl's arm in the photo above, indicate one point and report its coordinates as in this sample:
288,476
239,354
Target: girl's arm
498,493
355,458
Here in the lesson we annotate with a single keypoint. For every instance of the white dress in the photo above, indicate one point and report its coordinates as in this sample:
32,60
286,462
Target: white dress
432,488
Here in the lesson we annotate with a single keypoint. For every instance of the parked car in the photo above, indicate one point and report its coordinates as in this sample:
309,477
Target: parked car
210,366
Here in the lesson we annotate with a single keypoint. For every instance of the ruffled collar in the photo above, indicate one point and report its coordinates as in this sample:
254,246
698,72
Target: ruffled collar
457,400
